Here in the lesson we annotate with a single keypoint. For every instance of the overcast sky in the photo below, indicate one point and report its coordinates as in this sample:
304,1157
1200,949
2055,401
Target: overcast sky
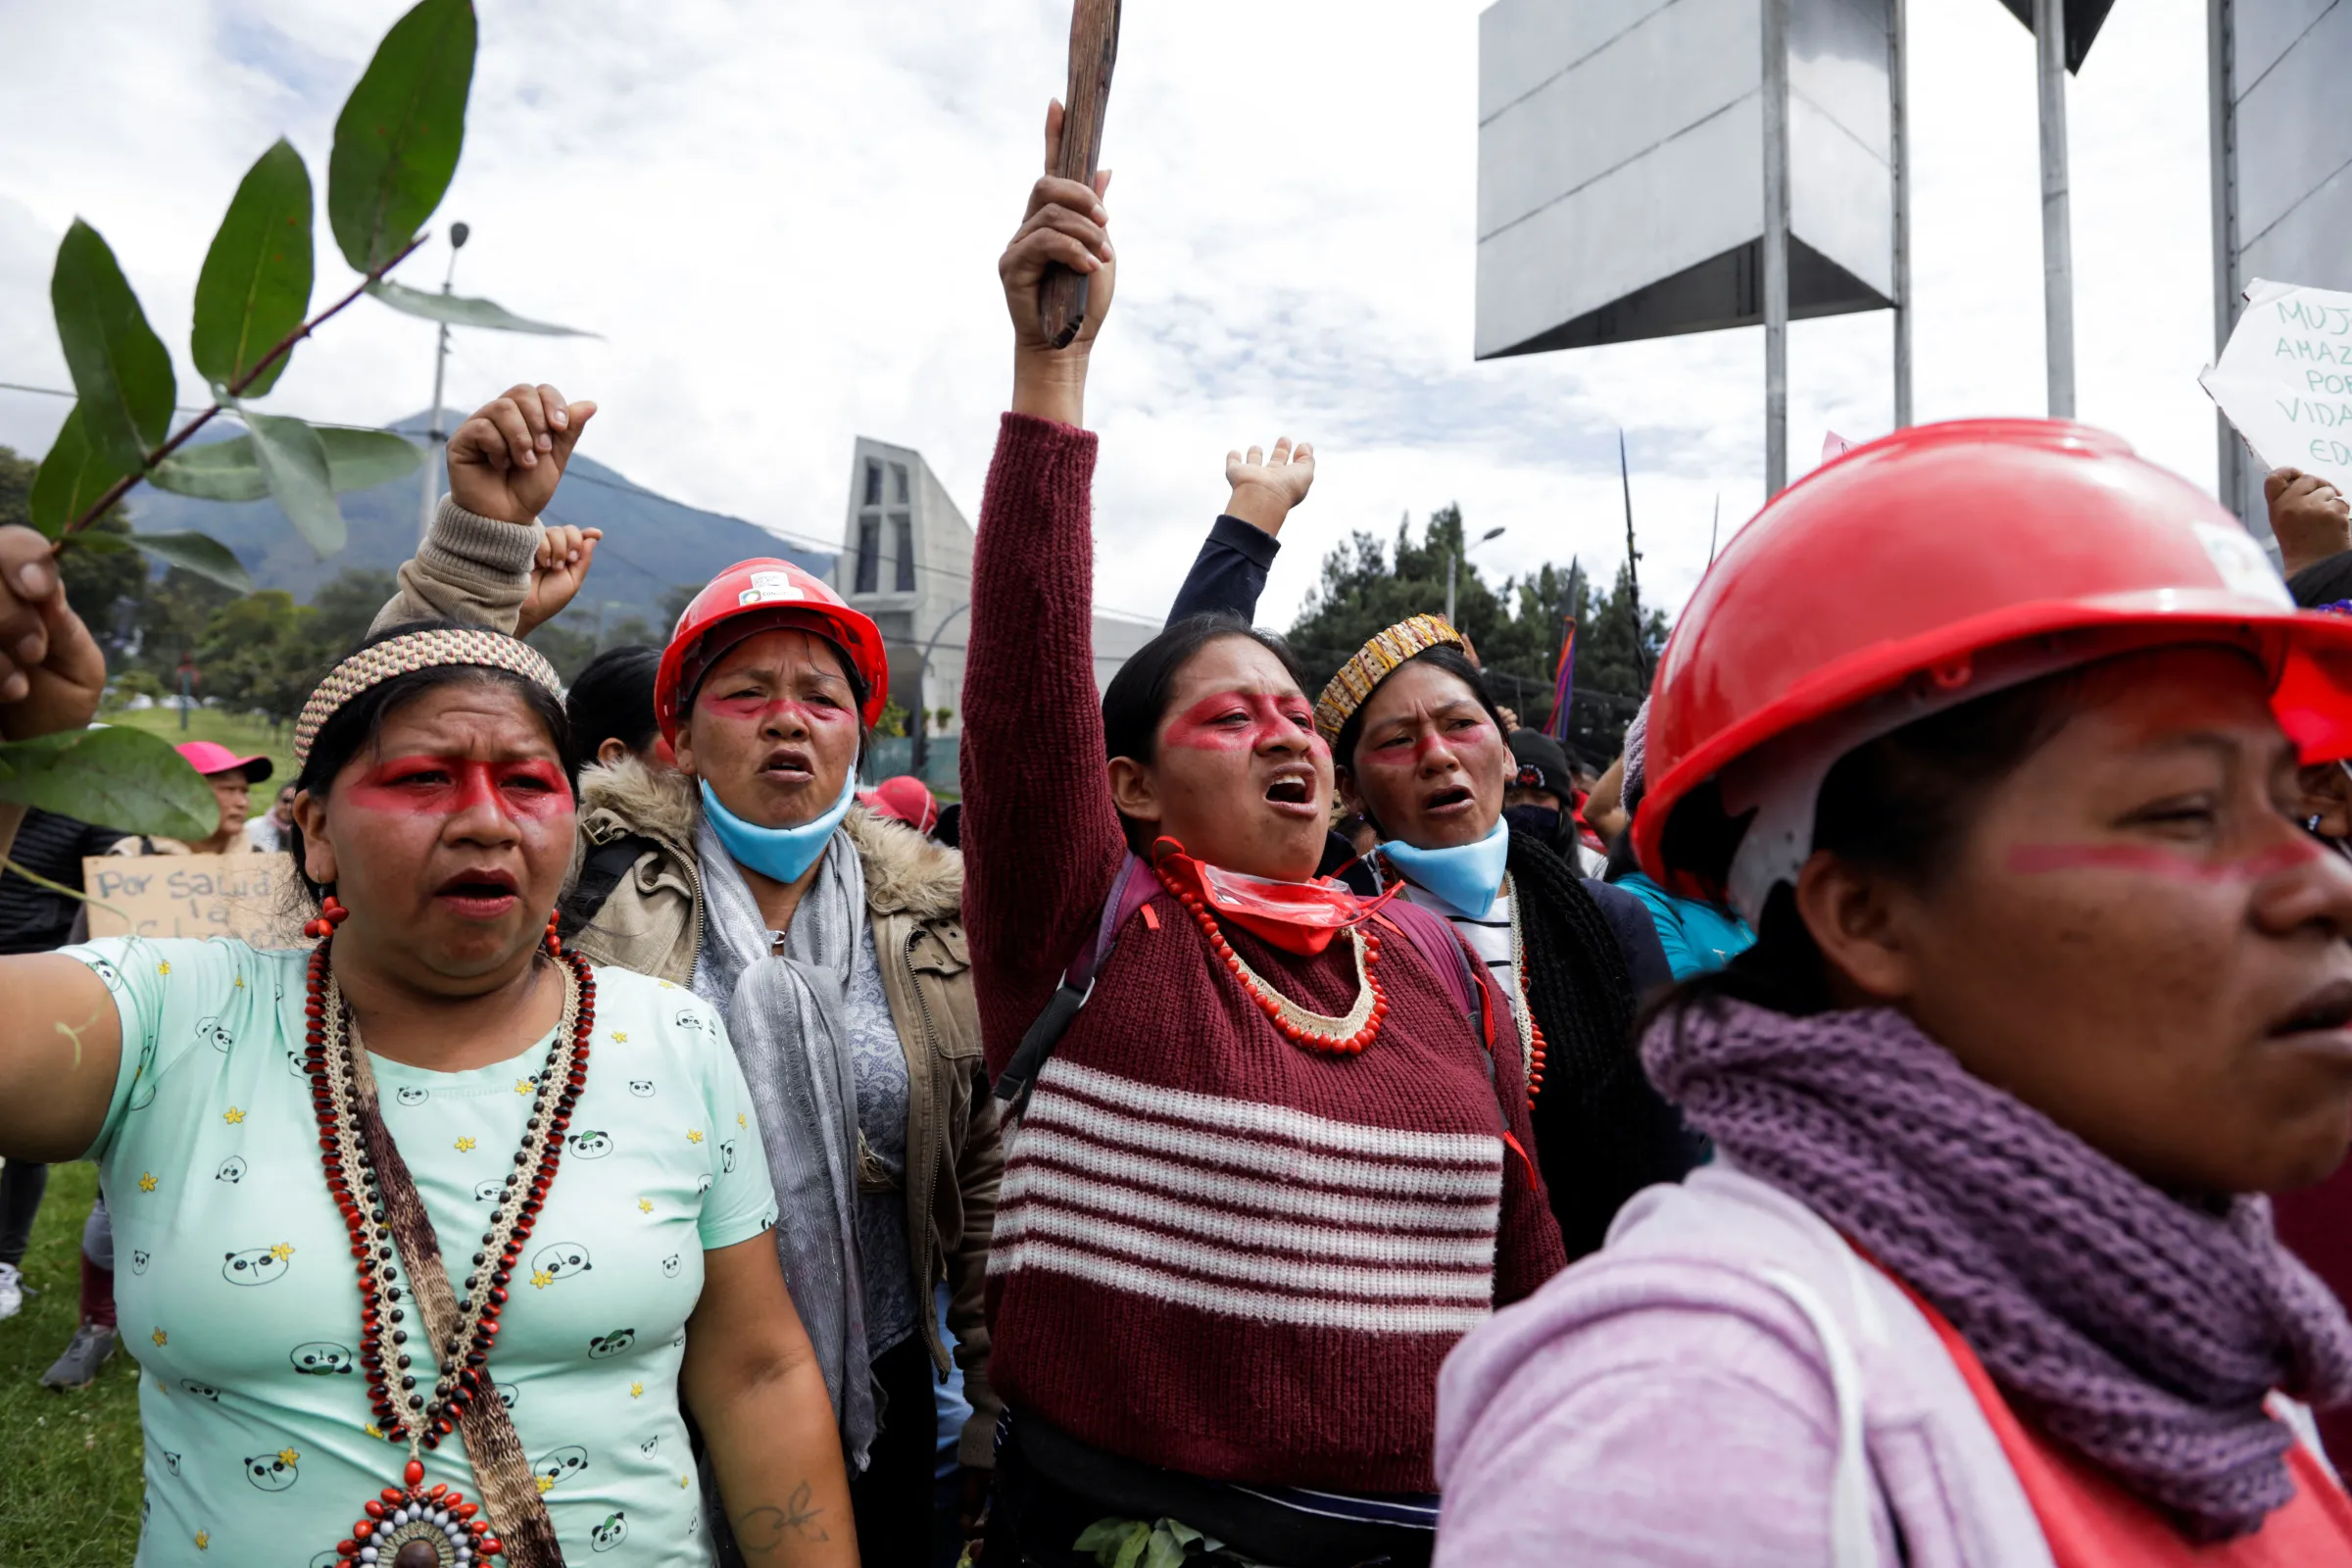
784,218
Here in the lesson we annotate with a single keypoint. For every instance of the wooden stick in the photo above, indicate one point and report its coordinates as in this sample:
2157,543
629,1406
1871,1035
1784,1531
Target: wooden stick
1093,50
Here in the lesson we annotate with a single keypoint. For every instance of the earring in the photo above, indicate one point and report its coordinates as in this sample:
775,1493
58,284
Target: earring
555,940
332,914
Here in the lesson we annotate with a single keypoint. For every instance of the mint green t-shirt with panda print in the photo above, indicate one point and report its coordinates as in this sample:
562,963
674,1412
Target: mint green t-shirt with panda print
235,1291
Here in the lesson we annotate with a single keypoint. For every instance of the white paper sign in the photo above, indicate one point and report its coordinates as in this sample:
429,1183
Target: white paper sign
2286,380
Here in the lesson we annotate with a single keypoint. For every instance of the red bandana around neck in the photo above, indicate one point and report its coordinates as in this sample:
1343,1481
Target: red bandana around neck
1298,917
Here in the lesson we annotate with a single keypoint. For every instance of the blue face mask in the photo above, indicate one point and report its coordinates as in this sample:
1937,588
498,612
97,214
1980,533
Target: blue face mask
1467,876
782,853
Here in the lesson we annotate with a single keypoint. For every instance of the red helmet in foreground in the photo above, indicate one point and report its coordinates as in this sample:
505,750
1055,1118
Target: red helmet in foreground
1941,563
752,597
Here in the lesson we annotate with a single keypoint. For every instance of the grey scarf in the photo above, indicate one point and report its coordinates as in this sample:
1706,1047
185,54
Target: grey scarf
783,1011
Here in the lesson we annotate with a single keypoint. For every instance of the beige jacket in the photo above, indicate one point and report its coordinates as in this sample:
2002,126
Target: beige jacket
651,922
474,568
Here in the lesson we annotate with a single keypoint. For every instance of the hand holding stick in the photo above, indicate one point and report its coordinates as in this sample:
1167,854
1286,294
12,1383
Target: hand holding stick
1093,50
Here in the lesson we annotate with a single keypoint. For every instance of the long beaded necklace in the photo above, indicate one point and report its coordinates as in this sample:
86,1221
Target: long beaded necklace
411,1525
1531,1032
1312,1031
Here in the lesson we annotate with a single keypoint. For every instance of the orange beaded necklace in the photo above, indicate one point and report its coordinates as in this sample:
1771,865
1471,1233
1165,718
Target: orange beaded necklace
1310,1031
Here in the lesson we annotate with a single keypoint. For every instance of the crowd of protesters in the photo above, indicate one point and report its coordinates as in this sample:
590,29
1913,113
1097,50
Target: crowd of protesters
1311,1122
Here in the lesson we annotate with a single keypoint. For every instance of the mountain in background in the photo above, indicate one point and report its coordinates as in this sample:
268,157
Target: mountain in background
651,544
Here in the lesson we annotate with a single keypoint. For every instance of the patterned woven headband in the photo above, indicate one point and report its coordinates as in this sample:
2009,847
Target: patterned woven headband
1373,663
370,668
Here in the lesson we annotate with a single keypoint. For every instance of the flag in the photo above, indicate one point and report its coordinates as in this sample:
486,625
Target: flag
1563,683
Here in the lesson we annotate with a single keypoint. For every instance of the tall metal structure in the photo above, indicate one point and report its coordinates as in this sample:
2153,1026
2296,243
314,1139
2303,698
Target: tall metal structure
1649,167
2281,175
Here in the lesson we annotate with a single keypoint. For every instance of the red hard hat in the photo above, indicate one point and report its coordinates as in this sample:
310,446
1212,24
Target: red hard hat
1892,575
764,595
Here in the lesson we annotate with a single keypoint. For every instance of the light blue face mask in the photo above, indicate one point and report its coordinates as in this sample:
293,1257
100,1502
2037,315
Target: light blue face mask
1467,876
782,853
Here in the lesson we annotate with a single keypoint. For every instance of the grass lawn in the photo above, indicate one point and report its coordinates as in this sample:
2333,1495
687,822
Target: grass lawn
242,733
71,1461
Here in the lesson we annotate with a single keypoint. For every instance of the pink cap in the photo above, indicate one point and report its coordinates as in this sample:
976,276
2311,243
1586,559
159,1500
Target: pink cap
904,799
210,756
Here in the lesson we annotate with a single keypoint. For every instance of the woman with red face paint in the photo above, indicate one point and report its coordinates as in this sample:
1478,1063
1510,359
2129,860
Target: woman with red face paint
1270,1171
446,1295
830,938
1421,752
1992,730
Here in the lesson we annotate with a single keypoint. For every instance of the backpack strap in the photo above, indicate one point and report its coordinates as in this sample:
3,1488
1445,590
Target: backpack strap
600,874
1457,968
1130,891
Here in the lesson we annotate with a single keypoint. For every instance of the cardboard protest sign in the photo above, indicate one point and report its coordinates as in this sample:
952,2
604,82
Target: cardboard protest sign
2286,380
243,896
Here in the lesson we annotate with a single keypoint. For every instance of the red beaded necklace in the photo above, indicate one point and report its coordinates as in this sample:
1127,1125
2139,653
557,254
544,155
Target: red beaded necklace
1312,1031
410,1524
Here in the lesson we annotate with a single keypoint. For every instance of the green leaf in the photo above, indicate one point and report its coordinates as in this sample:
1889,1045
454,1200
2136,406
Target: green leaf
1186,1535
120,778
256,285
199,553
361,460
122,371
1103,1533
1163,1552
293,461
1133,1551
72,477
228,470
459,311
397,139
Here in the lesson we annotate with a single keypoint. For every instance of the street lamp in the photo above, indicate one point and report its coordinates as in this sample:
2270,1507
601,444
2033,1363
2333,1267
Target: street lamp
1452,564
458,233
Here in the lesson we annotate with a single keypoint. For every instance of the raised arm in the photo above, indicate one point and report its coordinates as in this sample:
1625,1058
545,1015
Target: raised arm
487,559
1041,842
60,1041
1229,572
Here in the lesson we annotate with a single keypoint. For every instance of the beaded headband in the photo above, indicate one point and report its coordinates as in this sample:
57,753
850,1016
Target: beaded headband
370,668
1373,663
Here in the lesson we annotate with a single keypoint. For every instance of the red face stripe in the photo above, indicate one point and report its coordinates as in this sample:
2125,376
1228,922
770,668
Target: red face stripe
445,786
757,708
2148,861
1416,758
1246,721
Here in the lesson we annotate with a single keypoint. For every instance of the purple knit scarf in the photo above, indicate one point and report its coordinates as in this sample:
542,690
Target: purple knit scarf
2138,1330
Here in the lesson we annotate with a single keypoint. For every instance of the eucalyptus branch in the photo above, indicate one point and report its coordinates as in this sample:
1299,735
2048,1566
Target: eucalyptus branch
40,881
122,487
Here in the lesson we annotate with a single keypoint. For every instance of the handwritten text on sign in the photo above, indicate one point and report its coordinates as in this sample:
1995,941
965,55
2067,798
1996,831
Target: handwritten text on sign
241,896
2286,380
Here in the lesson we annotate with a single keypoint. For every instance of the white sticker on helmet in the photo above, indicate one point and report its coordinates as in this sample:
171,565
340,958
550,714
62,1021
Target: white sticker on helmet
2244,566
769,587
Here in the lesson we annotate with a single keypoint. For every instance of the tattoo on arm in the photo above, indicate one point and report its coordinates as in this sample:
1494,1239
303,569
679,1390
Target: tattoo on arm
759,1531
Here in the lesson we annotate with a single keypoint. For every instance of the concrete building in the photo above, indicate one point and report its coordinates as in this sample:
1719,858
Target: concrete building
906,560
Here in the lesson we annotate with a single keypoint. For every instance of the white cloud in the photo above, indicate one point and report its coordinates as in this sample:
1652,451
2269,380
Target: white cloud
784,219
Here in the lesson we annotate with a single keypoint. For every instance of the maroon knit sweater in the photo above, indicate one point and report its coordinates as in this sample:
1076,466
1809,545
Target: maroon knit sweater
1214,1251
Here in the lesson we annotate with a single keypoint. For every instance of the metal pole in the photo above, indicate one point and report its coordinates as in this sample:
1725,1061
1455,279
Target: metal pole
2057,245
1899,125
1776,246
1451,573
433,438
2220,27
432,441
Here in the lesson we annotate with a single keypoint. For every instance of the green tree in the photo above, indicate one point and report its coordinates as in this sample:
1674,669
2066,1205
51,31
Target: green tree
346,604
170,623
262,652
1516,629
567,649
